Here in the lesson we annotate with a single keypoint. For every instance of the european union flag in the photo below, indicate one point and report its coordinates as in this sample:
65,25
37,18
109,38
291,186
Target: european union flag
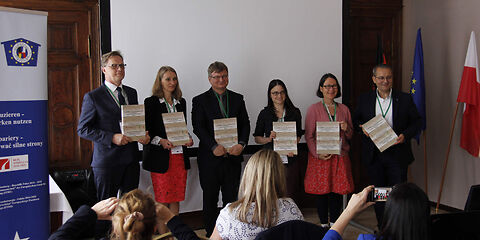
21,52
417,85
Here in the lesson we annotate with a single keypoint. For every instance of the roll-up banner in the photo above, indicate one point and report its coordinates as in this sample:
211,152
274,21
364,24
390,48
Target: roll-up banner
24,198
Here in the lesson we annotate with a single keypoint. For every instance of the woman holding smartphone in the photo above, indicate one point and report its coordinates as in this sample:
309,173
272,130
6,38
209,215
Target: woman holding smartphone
167,163
328,175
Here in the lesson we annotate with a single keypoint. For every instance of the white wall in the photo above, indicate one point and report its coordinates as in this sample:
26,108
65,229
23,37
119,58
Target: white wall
446,27
296,41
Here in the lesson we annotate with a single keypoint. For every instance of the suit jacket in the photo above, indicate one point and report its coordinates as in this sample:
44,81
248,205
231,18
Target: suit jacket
406,120
205,109
156,158
99,121
80,226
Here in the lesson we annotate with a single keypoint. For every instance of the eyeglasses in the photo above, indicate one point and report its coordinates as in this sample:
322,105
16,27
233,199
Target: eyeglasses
381,78
278,93
219,77
116,66
330,86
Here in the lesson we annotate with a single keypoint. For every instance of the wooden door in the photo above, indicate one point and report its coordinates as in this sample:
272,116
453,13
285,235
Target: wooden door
366,20
73,70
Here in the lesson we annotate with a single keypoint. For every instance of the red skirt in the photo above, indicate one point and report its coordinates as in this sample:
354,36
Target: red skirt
326,176
170,186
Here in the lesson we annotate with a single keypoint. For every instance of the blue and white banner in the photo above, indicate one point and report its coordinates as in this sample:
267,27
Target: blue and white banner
24,198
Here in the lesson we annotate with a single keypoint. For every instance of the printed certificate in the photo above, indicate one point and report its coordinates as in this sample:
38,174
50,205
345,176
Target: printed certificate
328,138
380,132
225,130
176,128
133,121
286,140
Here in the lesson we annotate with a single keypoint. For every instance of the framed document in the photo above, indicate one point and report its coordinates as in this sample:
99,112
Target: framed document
133,121
328,138
225,130
286,140
380,132
176,128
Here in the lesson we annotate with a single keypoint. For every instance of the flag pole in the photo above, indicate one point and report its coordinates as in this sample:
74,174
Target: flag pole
425,160
446,158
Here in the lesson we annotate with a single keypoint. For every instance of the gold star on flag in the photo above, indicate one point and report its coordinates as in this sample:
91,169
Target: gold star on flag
414,81
413,90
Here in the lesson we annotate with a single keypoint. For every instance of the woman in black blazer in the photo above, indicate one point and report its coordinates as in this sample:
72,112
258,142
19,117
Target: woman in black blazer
280,109
167,163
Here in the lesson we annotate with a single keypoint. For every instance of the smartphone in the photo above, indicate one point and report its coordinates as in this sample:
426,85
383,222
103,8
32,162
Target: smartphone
379,194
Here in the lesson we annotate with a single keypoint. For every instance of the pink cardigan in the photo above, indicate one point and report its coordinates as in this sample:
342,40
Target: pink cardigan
317,113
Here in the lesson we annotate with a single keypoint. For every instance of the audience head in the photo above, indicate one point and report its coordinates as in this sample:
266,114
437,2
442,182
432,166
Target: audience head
277,91
263,182
165,75
322,83
134,218
407,214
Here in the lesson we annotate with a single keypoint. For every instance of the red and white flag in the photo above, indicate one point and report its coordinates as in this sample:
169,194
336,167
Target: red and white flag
469,94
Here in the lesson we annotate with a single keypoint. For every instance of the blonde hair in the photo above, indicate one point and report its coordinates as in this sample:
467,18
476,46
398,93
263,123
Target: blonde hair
126,223
157,89
263,183
108,55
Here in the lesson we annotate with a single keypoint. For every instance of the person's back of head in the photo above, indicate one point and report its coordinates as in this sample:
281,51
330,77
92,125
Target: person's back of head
407,214
134,218
263,182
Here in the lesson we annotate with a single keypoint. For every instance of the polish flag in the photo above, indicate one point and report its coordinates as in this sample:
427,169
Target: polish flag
469,93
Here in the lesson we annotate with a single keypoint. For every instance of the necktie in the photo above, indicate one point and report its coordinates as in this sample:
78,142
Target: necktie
121,99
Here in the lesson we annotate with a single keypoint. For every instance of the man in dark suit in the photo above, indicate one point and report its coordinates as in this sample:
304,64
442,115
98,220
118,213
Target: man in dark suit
115,157
219,169
389,167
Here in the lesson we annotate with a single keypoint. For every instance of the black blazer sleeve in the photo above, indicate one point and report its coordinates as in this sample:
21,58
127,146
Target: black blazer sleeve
79,226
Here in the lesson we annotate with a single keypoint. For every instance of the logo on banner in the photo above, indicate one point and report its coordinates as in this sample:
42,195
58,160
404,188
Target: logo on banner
21,52
4,164
13,163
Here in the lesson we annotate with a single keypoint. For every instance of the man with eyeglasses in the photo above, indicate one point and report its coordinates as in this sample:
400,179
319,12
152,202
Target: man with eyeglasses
389,167
219,169
115,156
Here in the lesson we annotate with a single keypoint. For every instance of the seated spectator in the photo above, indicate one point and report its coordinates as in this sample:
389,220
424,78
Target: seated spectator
262,184
136,216
406,216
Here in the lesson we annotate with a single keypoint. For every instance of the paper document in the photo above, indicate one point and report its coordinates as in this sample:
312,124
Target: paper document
328,138
285,141
226,132
133,121
380,132
176,128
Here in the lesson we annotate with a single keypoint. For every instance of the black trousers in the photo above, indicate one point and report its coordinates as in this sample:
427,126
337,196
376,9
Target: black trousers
385,171
224,176
329,203
111,179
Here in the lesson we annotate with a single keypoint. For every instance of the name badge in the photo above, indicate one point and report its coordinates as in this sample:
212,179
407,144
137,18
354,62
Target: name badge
177,150
284,159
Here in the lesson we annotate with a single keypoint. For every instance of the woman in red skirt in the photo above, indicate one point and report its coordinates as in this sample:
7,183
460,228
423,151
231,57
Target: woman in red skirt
167,163
328,175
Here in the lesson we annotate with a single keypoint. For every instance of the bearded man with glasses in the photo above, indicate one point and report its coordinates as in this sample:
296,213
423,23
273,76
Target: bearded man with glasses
389,167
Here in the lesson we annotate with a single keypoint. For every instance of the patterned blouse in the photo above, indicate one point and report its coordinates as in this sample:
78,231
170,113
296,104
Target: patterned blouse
229,227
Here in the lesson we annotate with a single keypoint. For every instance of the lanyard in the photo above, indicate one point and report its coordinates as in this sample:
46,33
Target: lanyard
114,97
381,109
282,119
222,108
332,119
170,108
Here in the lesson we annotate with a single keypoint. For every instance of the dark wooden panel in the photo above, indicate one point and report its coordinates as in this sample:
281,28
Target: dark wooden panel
61,37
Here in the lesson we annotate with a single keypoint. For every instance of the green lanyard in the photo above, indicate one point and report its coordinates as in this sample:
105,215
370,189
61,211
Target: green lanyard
170,108
332,119
114,97
381,109
225,113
